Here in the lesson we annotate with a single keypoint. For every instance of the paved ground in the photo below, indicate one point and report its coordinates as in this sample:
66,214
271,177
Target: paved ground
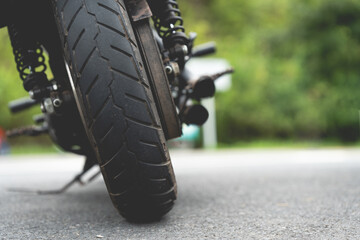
252,194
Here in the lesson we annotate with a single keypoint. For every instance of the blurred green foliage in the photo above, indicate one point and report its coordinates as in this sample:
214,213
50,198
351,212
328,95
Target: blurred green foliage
10,89
297,68
10,86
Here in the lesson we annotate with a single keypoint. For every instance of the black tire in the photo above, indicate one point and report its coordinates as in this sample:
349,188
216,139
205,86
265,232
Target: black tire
116,103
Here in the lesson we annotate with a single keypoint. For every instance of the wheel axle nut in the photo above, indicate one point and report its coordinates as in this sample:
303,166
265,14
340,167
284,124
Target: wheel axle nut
168,70
57,102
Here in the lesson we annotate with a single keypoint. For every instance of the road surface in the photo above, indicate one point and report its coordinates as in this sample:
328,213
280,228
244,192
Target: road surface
239,194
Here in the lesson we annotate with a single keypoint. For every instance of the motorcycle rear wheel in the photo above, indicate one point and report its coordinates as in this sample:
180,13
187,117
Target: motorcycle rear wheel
116,103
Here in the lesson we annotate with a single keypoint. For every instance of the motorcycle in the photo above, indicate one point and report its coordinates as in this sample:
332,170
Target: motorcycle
119,89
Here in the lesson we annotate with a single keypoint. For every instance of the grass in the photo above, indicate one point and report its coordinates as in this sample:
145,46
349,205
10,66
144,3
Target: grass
259,144
33,149
287,144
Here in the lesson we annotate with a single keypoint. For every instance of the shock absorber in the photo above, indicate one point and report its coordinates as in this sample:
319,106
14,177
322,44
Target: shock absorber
169,25
29,57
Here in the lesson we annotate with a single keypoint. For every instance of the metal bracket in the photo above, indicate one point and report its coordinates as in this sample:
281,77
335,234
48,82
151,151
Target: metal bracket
138,9
158,80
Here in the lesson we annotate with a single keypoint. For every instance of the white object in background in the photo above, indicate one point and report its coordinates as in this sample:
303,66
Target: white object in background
209,128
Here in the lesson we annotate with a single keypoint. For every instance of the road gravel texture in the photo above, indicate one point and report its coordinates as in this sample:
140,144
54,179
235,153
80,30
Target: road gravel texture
238,194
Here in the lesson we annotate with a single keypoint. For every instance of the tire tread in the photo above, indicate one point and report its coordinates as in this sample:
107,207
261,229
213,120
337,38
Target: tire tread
131,145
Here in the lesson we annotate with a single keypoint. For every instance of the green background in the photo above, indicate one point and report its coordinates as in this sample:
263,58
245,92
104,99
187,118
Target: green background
297,69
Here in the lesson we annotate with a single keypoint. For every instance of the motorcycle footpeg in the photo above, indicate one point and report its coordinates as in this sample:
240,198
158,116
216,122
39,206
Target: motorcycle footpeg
203,88
31,131
195,114
21,104
220,74
204,49
38,119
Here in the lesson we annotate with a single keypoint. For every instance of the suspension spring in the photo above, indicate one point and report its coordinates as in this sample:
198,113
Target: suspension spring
29,57
168,22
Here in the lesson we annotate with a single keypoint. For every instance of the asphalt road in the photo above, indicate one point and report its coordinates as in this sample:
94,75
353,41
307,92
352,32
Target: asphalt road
247,194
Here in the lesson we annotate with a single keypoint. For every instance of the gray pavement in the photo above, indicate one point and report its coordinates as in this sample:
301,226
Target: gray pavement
246,194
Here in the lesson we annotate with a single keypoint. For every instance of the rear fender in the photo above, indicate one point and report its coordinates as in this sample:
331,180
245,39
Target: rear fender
13,10
138,9
6,11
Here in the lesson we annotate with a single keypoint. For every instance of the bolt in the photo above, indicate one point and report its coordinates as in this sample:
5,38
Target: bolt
31,94
43,109
48,105
54,86
174,94
57,102
168,70
185,50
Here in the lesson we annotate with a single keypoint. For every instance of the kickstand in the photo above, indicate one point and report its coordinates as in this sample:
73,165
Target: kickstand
89,163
